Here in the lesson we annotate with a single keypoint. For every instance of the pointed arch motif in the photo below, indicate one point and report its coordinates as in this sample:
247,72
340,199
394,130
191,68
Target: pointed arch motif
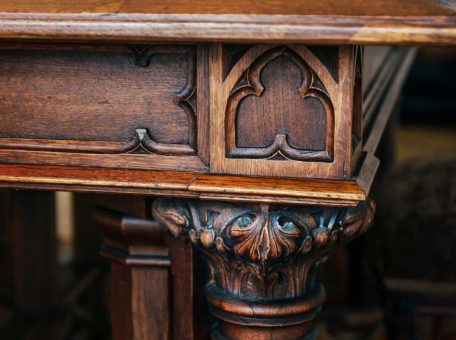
250,84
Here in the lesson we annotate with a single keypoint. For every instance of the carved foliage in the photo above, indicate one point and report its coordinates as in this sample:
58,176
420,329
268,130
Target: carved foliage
310,89
256,251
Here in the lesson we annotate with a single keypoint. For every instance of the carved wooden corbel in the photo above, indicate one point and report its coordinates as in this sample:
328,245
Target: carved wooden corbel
263,259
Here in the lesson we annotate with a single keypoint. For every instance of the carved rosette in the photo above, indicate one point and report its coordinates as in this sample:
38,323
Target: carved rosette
262,255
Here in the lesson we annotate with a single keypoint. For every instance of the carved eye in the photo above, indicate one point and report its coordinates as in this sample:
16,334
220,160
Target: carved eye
245,220
286,225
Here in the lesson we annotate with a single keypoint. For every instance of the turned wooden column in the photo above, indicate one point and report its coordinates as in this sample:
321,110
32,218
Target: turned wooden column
263,259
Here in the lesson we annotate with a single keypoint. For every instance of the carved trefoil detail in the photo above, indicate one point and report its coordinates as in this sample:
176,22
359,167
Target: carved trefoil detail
298,102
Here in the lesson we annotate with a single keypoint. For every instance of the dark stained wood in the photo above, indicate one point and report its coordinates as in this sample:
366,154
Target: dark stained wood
141,298
308,21
299,112
202,101
190,319
86,236
256,130
139,303
88,88
96,177
275,190
266,149
263,260
150,112
377,115
135,205
35,267
183,283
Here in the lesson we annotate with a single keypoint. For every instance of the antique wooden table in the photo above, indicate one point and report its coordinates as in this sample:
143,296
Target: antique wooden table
252,123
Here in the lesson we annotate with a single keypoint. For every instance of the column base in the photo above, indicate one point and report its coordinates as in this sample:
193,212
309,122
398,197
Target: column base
273,319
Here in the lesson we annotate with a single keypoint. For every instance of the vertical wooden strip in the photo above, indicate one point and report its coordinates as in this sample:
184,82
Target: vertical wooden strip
121,310
87,237
202,101
140,302
190,315
35,267
182,267
216,124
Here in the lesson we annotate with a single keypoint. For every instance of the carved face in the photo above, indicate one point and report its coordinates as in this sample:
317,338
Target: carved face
260,236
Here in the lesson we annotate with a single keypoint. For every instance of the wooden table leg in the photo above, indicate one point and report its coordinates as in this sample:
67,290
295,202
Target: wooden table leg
263,260
139,274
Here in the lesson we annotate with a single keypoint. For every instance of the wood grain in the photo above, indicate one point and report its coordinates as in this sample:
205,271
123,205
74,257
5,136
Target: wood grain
183,184
341,22
51,93
335,97
263,260
139,308
56,94
140,300
382,99
279,109
276,188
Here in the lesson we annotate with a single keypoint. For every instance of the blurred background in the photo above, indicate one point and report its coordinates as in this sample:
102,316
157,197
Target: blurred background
396,282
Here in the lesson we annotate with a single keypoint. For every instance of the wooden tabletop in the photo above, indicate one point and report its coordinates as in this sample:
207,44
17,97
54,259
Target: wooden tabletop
304,21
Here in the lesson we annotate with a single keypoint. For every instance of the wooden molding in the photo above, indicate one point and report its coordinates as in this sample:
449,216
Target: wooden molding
309,22
131,240
184,184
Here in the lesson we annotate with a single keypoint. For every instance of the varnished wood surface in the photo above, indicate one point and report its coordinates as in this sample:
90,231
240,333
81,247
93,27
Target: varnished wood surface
109,105
180,179
306,21
31,219
323,90
273,189
183,184
140,275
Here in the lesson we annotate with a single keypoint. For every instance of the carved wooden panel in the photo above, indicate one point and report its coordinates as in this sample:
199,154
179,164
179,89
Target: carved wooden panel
282,110
279,109
108,99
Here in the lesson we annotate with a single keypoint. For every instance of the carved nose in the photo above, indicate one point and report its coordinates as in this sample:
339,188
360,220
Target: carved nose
264,244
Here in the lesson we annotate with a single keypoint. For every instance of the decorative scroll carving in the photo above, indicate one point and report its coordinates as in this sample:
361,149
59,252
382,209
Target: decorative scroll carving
142,141
260,253
281,148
